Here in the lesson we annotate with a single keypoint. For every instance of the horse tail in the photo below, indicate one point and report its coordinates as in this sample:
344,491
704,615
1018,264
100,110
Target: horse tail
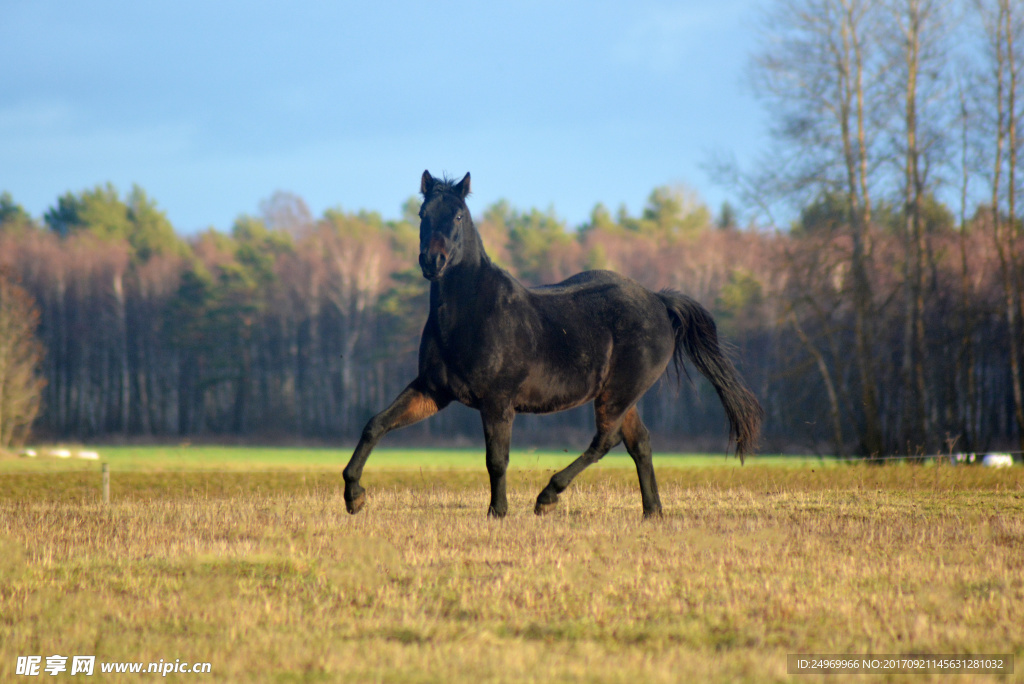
697,339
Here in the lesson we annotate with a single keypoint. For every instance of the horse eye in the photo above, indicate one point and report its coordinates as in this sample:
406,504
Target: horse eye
458,217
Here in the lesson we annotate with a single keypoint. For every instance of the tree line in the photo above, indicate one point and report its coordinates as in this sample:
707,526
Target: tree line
295,327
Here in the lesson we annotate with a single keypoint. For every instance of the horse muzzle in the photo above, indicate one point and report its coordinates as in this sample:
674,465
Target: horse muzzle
433,264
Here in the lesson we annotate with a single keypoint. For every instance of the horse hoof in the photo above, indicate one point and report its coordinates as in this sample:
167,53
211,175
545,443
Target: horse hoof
544,508
653,515
356,504
496,514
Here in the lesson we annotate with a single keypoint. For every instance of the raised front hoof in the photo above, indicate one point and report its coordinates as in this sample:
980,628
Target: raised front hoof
355,504
545,503
544,508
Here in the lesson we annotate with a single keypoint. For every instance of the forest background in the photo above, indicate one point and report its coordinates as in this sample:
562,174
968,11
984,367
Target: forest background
884,316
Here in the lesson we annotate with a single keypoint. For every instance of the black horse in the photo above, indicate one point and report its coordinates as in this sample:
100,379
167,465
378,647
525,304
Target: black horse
502,348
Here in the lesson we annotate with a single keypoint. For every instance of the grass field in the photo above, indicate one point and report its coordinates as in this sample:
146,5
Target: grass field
190,458
246,559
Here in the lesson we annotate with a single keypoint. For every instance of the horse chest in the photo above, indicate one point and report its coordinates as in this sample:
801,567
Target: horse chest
472,364
465,356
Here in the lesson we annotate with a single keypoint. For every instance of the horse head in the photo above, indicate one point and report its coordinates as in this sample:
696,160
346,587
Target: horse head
445,224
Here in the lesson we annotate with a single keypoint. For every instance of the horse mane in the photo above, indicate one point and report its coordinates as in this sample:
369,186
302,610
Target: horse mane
445,185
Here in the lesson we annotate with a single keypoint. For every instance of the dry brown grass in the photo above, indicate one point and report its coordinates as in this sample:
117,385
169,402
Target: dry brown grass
266,577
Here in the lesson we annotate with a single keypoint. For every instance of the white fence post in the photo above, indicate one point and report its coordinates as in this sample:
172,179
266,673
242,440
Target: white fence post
106,483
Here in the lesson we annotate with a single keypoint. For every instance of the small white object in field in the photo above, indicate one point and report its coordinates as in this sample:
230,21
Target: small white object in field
997,460
29,453
88,455
60,453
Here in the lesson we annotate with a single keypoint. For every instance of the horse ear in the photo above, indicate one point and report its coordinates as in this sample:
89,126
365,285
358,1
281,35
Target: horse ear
426,184
462,189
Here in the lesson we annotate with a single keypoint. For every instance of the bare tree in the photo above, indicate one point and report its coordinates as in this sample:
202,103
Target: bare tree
287,212
357,264
21,386
966,359
818,72
917,53
1003,26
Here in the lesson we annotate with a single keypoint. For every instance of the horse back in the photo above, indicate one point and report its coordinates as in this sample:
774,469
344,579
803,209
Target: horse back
599,329
603,299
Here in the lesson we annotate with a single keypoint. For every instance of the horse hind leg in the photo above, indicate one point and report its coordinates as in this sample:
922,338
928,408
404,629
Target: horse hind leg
608,436
602,443
638,444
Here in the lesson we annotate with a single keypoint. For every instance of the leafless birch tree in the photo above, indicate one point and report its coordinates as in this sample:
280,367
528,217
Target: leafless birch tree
818,73
1003,26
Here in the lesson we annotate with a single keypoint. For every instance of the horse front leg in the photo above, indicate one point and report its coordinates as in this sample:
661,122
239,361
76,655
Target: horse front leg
411,406
498,437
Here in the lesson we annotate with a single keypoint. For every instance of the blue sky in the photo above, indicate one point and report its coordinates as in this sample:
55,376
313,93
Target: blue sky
211,107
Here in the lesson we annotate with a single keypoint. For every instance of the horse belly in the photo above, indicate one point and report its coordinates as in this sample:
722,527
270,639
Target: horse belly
553,392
